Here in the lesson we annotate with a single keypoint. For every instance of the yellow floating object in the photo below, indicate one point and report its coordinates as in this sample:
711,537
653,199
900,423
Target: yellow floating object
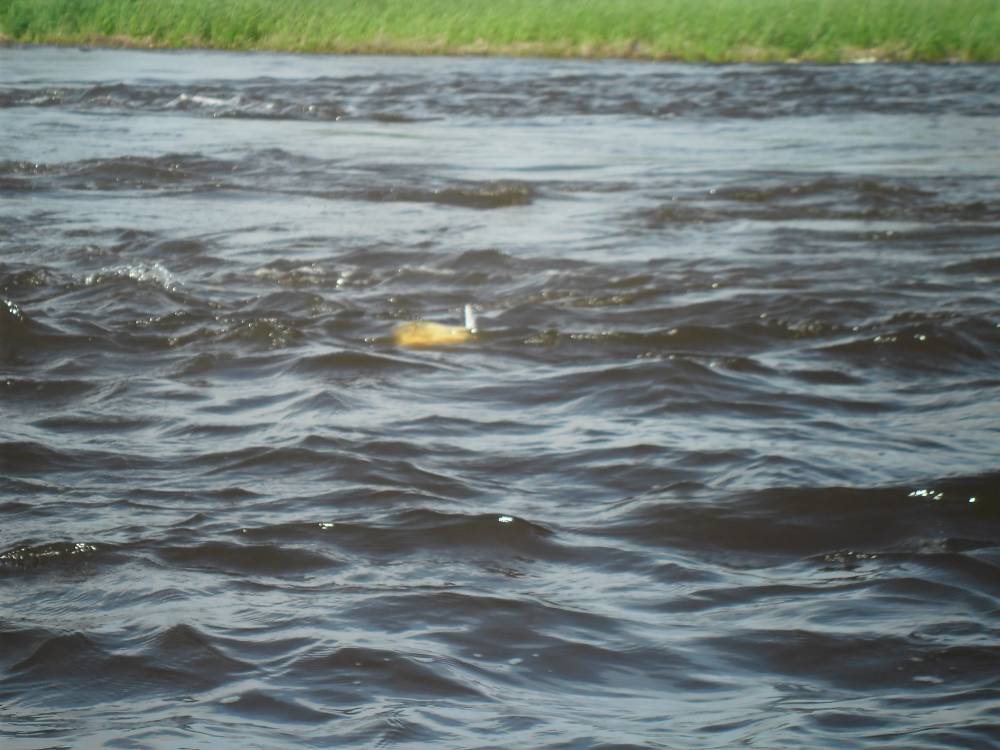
423,333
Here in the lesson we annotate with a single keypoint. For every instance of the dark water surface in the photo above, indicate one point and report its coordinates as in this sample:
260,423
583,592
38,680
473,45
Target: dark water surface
721,469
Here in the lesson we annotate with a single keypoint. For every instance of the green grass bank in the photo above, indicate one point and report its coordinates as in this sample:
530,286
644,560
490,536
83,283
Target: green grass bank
694,30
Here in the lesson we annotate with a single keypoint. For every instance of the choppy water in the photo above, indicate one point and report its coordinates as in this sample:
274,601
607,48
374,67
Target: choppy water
721,469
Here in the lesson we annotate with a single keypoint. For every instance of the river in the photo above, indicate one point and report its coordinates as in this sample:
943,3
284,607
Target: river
719,467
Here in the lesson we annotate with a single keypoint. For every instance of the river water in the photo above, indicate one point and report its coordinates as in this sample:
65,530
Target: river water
720,468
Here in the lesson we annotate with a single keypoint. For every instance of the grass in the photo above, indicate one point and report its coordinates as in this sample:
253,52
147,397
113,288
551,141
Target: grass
694,30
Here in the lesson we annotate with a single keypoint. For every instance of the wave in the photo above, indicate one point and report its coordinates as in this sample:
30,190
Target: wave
179,659
268,170
488,195
655,92
173,172
28,557
810,522
246,559
422,530
777,198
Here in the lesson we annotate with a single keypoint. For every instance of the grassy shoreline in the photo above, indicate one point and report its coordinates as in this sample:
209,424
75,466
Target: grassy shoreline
686,30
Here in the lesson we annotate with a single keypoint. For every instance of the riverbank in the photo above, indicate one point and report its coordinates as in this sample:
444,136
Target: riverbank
703,31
